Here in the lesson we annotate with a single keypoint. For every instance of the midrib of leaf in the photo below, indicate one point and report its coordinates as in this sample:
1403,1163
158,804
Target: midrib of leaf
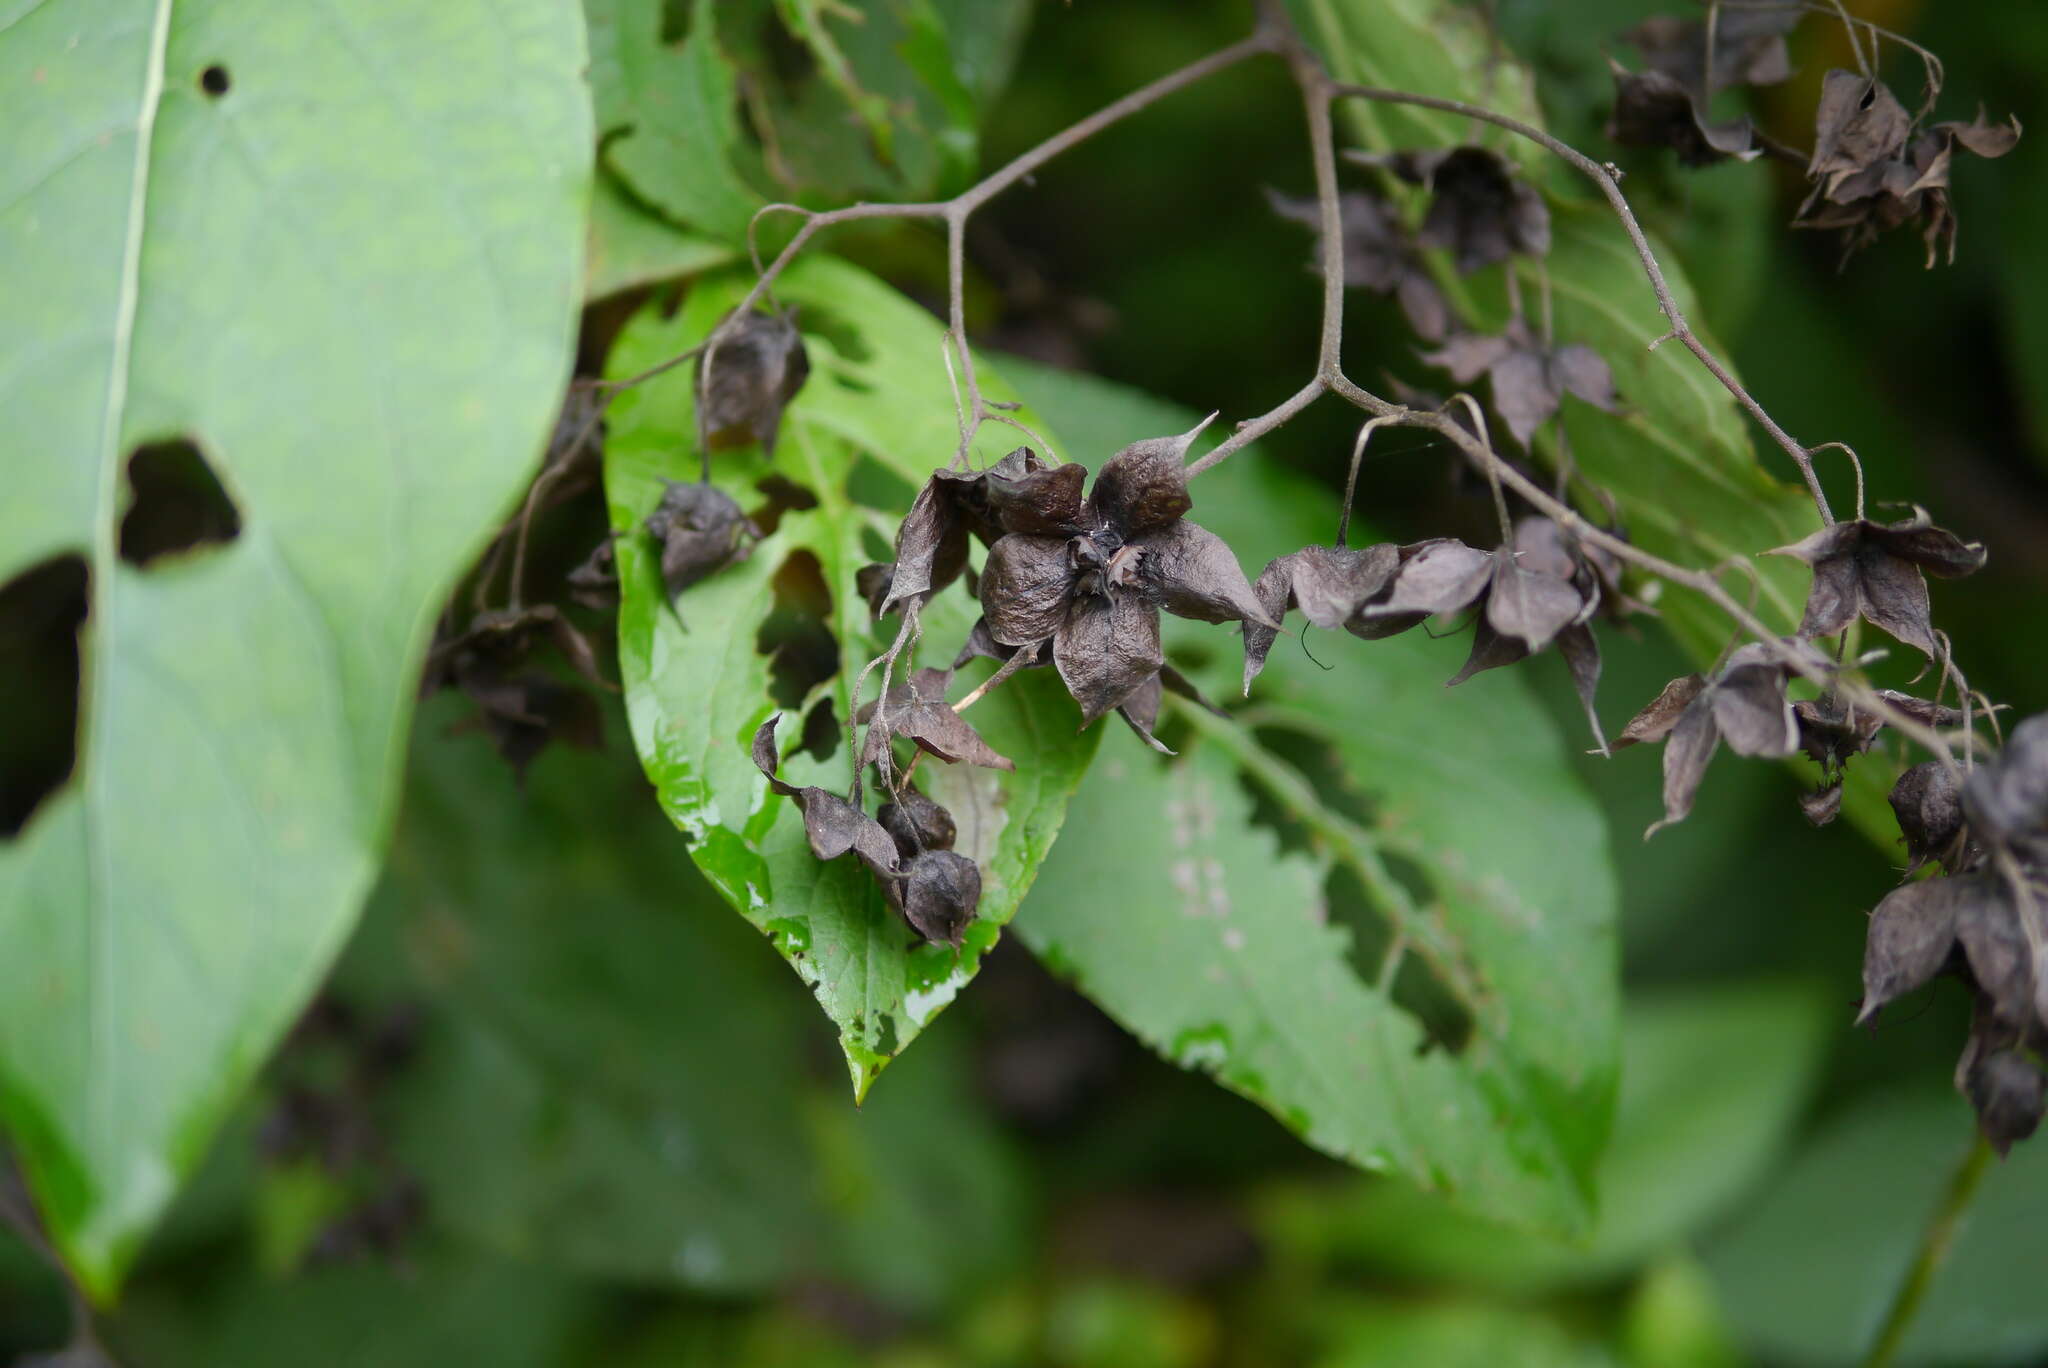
101,1086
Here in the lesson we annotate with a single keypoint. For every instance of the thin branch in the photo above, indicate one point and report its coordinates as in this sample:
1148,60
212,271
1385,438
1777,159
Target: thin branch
1935,1242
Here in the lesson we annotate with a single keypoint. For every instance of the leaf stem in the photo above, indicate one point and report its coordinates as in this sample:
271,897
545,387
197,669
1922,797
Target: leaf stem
1935,1242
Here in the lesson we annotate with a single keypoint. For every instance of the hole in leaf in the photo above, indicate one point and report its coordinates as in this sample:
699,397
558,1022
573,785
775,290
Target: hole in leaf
821,731
1350,907
837,330
176,504
41,610
801,650
784,496
1419,992
214,81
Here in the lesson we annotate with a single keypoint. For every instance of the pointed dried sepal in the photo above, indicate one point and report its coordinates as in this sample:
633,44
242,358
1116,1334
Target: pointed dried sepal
1529,379
917,709
1873,570
1911,938
833,825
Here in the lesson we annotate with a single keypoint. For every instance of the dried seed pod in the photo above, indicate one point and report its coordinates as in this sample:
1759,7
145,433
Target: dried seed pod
1929,805
756,363
701,531
1872,570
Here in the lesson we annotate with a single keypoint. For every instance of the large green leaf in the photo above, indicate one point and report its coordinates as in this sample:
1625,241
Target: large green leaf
628,1090
338,248
699,679
1809,1272
1711,1084
1220,954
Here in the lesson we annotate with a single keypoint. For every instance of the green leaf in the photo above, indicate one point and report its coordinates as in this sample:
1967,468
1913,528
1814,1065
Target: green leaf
1809,1272
630,247
1692,1134
1393,1334
1678,459
698,679
627,1091
1515,914
669,116
345,264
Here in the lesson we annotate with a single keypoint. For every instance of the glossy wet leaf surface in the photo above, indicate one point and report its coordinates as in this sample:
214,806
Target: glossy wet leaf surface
337,248
699,683
1511,904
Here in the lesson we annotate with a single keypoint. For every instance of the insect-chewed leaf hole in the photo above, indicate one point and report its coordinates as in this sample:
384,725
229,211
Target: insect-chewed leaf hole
802,652
784,495
176,504
41,610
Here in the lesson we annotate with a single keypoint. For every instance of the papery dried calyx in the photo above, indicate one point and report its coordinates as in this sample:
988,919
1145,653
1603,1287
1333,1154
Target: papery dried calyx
1529,377
1873,571
1378,255
751,367
1743,706
700,530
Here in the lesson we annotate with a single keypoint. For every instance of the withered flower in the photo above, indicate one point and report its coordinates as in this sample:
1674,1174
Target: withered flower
1479,209
2007,796
756,363
1653,109
1095,588
917,709
1529,377
1378,255
1833,731
1872,570
1020,493
701,531
1749,46
520,707
1871,172
935,890
1743,706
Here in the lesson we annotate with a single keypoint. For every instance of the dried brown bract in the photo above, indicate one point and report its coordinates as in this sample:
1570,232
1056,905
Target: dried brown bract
1379,255
1653,109
701,531
1529,377
1744,707
1873,570
935,890
917,709
752,366
1872,172
1023,492
1479,209
1096,592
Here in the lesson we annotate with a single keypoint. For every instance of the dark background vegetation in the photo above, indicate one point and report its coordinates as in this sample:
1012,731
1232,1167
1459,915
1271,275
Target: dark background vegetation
1153,1219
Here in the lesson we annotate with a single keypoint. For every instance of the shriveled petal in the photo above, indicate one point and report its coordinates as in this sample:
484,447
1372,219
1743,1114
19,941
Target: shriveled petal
1578,369
1529,606
931,544
1141,712
1981,136
1044,502
1467,356
1655,721
1274,592
1928,802
1024,588
1859,122
1912,933
1106,649
1832,541
1581,652
1442,576
1331,583
1525,394
2009,1092
2008,794
916,822
1687,749
1822,805
833,825
1192,573
1936,550
1894,597
1752,712
1490,651
1988,926
938,894
1143,487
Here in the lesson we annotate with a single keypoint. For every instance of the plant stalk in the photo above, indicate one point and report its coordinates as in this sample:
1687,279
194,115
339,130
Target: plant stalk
1935,1242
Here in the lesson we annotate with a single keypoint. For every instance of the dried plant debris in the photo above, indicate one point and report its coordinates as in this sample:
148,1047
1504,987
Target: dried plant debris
1872,172
1667,103
1927,800
519,706
1743,706
1873,571
917,709
751,367
1095,588
1379,255
701,531
1479,210
1529,377
1023,493
935,889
